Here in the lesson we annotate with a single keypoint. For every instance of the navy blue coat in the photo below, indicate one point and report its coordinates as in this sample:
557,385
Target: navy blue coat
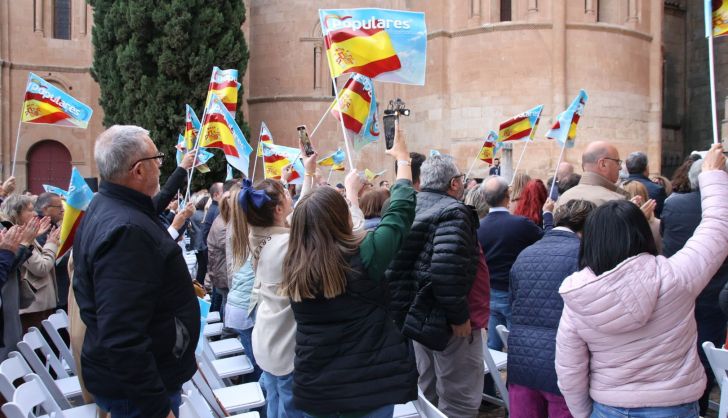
536,308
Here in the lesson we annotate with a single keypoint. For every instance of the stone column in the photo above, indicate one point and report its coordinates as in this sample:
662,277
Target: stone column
83,17
654,129
558,66
317,67
38,18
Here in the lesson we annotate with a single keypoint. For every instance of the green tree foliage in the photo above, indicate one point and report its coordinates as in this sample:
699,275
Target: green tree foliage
151,57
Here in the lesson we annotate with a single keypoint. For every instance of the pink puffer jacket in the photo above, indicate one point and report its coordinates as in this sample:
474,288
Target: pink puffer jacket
627,338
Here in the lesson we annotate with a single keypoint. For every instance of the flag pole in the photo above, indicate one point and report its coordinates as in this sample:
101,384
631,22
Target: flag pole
343,128
561,156
328,179
17,142
255,162
467,176
518,164
711,68
322,119
192,170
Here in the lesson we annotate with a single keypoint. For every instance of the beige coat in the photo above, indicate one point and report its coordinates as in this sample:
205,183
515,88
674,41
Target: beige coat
40,271
593,188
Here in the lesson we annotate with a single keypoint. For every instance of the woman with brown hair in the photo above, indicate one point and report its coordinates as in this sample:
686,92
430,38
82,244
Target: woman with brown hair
516,189
371,204
635,189
350,357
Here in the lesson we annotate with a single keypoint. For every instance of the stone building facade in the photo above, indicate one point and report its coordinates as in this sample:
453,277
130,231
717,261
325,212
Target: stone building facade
643,63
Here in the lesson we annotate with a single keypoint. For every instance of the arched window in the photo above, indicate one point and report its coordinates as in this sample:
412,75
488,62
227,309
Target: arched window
62,19
505,11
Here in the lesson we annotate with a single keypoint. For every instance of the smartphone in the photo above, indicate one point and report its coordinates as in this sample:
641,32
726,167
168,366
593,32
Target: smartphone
305,142
389,120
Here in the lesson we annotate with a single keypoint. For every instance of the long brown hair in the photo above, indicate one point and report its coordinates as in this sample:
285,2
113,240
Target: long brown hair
320,242
261,217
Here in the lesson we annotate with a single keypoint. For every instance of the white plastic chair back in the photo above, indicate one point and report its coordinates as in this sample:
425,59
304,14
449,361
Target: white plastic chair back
503,334
52,324
186,410
718,359
12,369
26,348
493,368
197,402
28,396
34,340
204,389
425,408
213,379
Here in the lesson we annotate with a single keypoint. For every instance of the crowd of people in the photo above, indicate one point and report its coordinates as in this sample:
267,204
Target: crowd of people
349,298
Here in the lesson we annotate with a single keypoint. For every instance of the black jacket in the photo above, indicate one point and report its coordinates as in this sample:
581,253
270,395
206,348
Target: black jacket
349,354
503,236
654,191
680,218
437,263
536,308
136,298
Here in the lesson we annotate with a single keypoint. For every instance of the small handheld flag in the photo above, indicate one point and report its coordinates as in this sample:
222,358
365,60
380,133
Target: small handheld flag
334,159
47,104
264,137
489,148
192,128
358,110
219,130
275,157
520,127
224,84
75,205
564,130
57,190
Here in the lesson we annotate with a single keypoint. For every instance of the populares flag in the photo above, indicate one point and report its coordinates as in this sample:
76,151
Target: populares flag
718,18
224,84
276,157
57,190
336,158
75,205
219,130
368,52
264,137
564,130
489,148
521,126
47,104
358,111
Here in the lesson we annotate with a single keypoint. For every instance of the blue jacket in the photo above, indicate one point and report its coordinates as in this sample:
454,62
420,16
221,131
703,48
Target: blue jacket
242,286
654,191
503,236
536,308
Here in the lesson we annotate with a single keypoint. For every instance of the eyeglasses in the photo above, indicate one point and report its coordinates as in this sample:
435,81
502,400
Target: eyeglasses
55,206
159,157
619,162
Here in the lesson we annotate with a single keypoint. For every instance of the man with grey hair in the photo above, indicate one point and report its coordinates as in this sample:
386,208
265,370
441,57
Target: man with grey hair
430,281
132,286
638,169
680,217
503,236
601,164
50,205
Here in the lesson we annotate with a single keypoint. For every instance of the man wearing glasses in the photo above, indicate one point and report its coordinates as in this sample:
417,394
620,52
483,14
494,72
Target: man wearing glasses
51,205
132,286
598,184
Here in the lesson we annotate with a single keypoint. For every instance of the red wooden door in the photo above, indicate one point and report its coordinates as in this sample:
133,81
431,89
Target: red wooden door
49,162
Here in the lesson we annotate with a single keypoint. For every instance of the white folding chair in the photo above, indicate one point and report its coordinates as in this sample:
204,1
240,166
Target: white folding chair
51,325
406,410
232,399
425,408
212,317
186,410
212,330
718,359
202,409
226,347
495,361
12,369
503,334
226,367
33,340
32,394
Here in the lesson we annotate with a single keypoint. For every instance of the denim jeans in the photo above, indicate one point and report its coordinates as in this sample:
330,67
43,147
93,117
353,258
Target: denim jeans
246,338
686,410
383,412
500,314
124,408
279,396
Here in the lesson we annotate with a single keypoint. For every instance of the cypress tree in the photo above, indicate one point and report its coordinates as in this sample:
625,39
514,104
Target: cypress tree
151,57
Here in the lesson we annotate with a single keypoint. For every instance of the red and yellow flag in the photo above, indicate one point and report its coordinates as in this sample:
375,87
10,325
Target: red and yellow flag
265,137
368,52
521,126
720,18
487,151
355,101
47,104
276,157
216,132
224,84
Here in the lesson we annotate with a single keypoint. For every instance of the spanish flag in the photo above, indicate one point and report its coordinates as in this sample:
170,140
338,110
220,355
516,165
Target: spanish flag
79,197
219,130
275,157
192,128
265,137
47,104
368,52
564,130
520,126
224,84
719,18
354,101
489,148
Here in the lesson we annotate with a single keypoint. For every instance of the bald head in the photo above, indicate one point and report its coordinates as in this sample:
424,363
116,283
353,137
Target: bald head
564,170
602,158
496,191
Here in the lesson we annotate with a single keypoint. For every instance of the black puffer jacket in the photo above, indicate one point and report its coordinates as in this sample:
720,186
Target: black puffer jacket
438,260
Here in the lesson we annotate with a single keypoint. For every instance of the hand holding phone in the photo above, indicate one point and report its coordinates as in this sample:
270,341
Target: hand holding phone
305,141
